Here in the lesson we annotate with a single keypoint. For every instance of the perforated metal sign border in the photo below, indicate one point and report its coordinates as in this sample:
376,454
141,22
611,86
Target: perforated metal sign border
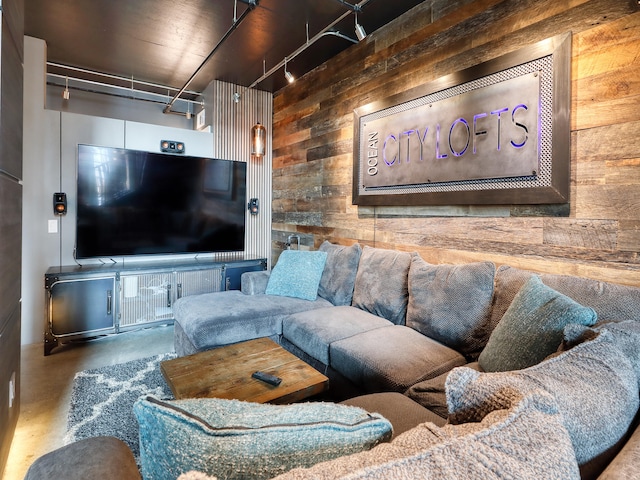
549,184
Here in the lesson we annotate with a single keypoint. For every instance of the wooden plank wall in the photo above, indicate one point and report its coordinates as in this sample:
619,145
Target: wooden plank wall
597,235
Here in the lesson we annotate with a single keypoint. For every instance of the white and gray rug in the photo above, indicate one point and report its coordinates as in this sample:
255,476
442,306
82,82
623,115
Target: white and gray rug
102,399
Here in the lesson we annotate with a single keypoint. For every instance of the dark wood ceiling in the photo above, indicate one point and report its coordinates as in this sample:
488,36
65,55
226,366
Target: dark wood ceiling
166,41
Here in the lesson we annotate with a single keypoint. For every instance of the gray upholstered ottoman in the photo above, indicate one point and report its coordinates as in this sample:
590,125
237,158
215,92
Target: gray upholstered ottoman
91,458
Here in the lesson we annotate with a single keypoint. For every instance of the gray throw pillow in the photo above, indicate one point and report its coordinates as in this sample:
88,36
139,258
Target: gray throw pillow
382,284
339,276
451,303
531,328
594,384
231,439
525,440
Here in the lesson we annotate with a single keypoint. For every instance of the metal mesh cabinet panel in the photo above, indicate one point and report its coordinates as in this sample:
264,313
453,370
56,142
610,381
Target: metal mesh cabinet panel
145,298
198,281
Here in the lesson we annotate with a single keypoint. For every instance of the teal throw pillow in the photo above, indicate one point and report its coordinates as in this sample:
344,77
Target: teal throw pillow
531,328
232,439
297,274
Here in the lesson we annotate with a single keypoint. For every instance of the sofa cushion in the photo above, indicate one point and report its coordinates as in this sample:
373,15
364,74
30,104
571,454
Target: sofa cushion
391,358
400,410
381,283
220,318
526,440
297,274
231,439
431,393
314,330
594,384
612,302
451,303
339,275
531,328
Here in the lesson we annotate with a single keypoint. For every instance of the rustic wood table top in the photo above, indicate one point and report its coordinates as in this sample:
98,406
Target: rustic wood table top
225,372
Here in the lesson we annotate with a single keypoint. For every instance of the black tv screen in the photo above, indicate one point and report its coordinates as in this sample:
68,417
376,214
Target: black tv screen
138,203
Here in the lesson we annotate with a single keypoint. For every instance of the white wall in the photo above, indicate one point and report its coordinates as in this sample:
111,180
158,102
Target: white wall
50,155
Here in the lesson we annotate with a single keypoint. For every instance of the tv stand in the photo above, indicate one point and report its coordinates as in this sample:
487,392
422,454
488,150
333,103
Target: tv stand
83,302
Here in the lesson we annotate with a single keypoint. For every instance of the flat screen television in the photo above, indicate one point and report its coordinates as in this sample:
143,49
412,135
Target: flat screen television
132,202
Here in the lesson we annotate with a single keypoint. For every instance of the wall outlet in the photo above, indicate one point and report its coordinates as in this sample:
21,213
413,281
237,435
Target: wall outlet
12,389
53,226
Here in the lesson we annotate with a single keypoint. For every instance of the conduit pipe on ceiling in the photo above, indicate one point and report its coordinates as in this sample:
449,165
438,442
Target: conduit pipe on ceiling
251,5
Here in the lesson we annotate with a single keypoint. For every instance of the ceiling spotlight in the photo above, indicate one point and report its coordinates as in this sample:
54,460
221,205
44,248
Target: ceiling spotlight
360,31
290,78
65,94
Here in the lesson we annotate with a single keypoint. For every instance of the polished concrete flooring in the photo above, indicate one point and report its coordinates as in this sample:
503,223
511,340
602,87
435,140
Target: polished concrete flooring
46,387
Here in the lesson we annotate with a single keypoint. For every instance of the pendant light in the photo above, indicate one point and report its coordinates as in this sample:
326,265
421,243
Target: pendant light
258,140
258,136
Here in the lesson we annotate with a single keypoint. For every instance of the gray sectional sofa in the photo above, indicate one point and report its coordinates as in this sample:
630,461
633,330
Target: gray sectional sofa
483,371
387,321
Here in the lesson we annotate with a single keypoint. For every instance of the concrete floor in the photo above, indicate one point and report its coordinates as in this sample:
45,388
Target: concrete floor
46,383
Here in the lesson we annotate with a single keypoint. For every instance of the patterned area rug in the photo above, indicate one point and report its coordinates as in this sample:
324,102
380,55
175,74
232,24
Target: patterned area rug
102,399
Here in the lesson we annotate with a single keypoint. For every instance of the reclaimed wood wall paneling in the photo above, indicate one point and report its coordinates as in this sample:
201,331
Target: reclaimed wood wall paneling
596,235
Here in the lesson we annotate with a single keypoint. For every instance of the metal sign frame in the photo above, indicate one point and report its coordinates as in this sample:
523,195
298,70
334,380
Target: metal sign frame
537,174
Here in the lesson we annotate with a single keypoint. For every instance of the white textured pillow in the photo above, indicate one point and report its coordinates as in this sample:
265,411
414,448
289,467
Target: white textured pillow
524,441
594,384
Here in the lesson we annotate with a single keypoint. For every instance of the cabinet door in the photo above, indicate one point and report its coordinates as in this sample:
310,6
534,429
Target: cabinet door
198,281
81,306
145,298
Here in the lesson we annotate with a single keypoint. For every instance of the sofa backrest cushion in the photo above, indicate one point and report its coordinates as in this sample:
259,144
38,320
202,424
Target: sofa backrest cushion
451,303
594,384
232,439
524,440
532,327
612,302
382,284
339,275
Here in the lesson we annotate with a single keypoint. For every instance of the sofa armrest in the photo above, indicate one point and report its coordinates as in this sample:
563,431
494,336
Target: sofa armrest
254,283
627,463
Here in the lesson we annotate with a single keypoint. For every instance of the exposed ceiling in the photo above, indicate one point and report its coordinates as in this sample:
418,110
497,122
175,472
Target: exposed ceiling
166,41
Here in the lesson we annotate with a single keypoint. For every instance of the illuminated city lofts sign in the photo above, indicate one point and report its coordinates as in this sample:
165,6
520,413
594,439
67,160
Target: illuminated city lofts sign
496,133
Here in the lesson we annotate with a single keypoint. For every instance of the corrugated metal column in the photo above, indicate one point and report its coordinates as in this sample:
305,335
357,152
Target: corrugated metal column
232,141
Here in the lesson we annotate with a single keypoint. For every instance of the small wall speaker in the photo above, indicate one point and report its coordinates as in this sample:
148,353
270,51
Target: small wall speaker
253,206
59,203
171,146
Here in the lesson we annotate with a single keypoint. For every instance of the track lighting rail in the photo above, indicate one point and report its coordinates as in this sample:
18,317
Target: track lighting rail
310,41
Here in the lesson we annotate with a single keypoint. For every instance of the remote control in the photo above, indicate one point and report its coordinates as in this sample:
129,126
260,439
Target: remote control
267,378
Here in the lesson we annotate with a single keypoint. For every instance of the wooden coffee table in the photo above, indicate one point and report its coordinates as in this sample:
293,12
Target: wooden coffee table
225,372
